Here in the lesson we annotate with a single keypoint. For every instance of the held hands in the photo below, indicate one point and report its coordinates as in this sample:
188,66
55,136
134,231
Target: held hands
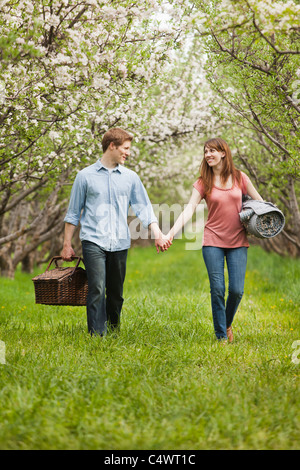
163,242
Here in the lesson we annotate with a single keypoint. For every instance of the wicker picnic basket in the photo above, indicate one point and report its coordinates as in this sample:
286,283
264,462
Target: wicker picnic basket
61,286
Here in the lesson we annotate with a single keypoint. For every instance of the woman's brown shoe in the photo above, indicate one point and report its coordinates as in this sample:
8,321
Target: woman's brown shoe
229,334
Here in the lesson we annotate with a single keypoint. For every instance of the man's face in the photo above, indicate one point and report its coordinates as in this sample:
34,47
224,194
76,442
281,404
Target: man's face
121,153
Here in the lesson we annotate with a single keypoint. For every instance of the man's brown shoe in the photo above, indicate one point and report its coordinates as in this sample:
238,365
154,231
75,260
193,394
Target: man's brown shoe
229,334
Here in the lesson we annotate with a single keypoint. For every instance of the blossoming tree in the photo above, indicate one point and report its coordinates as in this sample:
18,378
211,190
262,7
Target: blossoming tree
253,64
70,70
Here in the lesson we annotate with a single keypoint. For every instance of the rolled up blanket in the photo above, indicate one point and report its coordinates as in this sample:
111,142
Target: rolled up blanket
262,219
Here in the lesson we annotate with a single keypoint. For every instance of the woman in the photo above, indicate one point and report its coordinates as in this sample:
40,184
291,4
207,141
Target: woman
222,186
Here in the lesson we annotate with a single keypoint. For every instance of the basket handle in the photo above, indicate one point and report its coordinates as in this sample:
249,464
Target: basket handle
56,258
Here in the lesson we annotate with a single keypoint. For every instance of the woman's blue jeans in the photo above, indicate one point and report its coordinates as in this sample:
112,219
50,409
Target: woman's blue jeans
236,260
106,274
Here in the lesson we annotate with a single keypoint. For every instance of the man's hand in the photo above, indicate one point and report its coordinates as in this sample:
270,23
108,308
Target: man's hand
67,253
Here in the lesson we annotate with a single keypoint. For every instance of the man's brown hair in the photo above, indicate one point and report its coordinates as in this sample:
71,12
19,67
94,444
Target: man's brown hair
116,135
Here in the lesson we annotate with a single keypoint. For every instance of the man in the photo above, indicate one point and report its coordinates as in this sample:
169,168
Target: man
103,193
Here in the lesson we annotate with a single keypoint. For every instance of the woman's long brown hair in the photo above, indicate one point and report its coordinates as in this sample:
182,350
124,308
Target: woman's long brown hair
206,172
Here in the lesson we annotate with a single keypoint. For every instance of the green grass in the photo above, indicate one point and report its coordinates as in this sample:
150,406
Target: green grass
163,382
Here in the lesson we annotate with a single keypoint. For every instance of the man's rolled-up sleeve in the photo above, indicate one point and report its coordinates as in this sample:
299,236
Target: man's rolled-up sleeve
77,200
140,203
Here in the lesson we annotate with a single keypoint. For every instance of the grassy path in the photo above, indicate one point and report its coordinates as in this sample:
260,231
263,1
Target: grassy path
163,382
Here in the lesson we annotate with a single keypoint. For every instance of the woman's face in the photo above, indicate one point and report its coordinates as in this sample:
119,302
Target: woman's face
213,157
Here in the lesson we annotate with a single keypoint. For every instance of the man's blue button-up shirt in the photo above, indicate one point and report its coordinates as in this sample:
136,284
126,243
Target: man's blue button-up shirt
100,199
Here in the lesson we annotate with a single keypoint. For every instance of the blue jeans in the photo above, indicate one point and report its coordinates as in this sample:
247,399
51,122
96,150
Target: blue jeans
236,260
106,274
